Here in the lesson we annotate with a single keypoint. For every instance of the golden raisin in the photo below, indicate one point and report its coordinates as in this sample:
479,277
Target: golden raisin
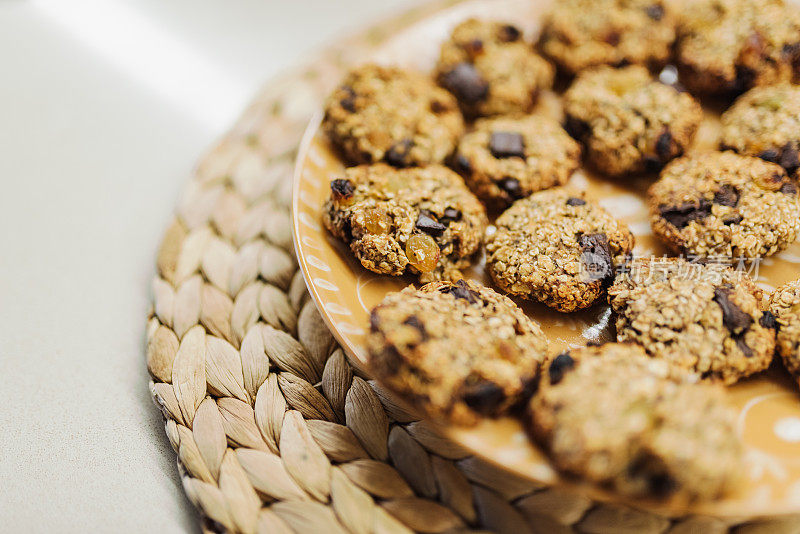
771,102
422,252
377,221
624,82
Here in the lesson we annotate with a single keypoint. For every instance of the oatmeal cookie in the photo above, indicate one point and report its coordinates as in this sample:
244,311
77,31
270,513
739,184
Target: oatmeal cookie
628,121
584,33
702,317
641,426
724,204
491,70
728,46
557,247
505,159
457,350
765,122
421,220
784,315
392,115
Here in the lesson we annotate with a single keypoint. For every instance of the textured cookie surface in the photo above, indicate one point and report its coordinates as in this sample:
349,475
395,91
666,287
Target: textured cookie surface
705,318
458,350
421,220
733,45
613,416
784,307
726,205
505,159
583,33
392,115
628,121
557,247
765,122
491,69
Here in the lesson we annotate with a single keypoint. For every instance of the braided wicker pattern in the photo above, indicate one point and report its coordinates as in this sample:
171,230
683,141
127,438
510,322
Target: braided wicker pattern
274,429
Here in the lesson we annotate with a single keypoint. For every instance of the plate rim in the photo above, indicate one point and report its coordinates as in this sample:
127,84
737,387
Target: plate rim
355,352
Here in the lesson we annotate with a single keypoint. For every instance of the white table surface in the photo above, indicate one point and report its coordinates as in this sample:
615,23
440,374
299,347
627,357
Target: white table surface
104,107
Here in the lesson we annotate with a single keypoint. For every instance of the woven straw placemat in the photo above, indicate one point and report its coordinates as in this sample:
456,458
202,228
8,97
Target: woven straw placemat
275,431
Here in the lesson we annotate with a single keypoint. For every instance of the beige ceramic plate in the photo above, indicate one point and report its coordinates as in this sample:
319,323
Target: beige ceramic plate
769,405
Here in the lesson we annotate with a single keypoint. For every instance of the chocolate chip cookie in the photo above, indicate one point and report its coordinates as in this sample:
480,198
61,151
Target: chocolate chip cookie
613,416
702,317
584,33
505,159
765,122
491,70
724,204
458,350
728,46
392,115
784,316
420,220
628,121
557,247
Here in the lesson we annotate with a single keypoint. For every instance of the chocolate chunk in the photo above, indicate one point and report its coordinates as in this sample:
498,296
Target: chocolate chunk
473,48
349,102
791,50
789,159
726,196
461,290
655,11
732,219
462,164
210,525
733,317
788,188
426,222
768,320
510,186
484,397
342,189
529,387
743,346
770,155
450,215
664,145
680,216
745,76
577,128
613,38
398,154
575,201
507,145
652,163
559,366
662,485
509,33
596,256
373,321
466,83
414,322
392,359
437,106
347,230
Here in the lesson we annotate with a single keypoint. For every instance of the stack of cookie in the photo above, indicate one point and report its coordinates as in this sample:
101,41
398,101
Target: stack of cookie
432,158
